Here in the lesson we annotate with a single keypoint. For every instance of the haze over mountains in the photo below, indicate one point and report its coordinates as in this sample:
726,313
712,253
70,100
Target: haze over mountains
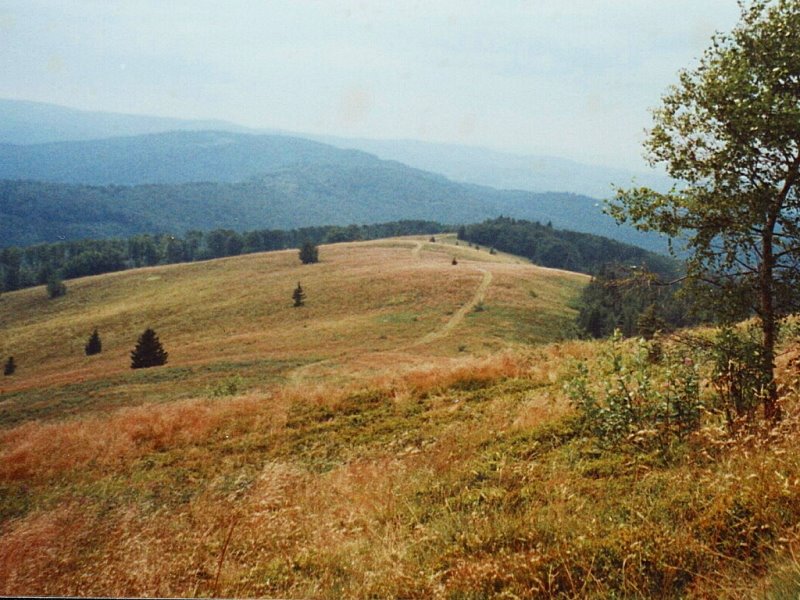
24,122
191,177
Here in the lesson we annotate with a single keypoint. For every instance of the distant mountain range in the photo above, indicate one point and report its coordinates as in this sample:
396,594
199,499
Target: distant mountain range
179,180
23,122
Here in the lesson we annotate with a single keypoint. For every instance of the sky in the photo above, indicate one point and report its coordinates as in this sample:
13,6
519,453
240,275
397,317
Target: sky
568,78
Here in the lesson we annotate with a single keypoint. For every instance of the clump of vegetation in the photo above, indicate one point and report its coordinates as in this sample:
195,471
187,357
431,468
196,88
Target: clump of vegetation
148,351
630,399
10,366
55,287
230,386
740,376
94,345
309,253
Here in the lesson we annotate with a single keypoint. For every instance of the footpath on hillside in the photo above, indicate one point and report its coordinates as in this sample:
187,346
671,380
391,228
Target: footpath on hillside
432,336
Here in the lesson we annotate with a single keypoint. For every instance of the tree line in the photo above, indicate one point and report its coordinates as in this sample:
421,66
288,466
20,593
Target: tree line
42,263
623,294
562,249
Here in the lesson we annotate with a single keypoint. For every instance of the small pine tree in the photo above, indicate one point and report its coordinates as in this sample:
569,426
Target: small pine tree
432,240
55,287
299,296
148,351
94,345
309,253
650,322
10,367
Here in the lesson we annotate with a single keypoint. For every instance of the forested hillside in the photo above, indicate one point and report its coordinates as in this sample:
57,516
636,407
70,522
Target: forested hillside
285,198
562,249
169,157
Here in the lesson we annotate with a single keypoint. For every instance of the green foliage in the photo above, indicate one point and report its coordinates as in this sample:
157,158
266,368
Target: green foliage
299,296
739,376
309,253
647,404
148,351
630,301
562,249
230,386
55,287
10,366
730,129
94,345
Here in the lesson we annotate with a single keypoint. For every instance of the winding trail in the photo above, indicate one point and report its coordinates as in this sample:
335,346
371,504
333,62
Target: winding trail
454,321
459,315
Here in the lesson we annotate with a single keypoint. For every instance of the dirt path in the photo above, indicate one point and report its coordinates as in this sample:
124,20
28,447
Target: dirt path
454,321
459,315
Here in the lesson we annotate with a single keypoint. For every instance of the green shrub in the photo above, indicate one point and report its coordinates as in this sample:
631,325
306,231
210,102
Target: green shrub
230,386
55,287
739,375
639,402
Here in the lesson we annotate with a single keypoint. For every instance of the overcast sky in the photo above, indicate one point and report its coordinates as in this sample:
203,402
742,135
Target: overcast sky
571,78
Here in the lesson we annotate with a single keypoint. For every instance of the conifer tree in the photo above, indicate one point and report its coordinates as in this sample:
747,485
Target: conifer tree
94,345
298,296
10,367
148,351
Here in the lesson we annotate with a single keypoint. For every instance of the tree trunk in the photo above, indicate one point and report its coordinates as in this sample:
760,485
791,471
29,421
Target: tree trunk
772,410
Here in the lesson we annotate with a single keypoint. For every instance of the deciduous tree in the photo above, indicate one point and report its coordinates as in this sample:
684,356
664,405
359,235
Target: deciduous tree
729,131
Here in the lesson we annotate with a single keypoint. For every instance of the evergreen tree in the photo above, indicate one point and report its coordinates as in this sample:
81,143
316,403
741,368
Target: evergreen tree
148,351
94,345
55,287
298,296
309,253
10,367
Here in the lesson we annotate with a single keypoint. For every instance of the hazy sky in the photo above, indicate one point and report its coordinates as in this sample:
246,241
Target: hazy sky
571,78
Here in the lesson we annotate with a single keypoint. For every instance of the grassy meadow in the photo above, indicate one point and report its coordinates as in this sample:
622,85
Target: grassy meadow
406,434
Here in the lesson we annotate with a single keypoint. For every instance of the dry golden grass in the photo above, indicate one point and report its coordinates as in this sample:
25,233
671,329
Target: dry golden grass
235,316
454,480
358,456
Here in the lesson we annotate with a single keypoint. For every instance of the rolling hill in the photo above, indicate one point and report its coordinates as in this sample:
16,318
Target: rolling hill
406,434
238,312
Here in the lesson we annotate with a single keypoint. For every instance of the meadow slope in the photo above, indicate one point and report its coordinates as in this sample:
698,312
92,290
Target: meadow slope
404,435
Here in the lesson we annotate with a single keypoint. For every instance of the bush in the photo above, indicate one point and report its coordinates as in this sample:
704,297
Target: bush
309,253
640,402
739,376
230,386
55,287
148,351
